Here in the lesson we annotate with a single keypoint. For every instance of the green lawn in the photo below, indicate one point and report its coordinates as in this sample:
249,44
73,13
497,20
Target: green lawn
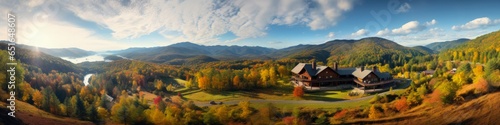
277,93
325,106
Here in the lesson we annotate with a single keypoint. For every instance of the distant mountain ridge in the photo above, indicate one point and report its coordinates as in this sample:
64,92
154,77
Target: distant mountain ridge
438,46
344,51
189,52
67,52
37,59
58,52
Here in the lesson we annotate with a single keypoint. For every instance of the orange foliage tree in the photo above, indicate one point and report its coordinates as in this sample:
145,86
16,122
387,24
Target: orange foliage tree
401,104
298,91
340,115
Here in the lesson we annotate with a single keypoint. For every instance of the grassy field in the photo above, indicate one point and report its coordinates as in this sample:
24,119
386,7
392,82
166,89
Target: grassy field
284,92
324,106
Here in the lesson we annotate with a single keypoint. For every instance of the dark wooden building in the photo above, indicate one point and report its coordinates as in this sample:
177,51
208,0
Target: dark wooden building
312,75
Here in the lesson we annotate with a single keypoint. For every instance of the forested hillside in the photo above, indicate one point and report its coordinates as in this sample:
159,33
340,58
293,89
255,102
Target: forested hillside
489,49
438,46
39,60
190,53
352,53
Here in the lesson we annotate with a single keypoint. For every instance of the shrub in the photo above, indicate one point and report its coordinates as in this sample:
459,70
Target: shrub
401,104
298,91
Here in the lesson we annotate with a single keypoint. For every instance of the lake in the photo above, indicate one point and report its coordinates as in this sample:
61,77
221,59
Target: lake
91,58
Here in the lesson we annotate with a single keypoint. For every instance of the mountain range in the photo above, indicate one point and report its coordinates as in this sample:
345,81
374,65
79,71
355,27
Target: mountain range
379,50
346,52
438,46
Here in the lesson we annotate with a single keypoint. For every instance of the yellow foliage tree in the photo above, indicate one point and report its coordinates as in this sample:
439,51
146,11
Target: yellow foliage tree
156,116
102,112
236,81
245,107
374,113
37,98
478,71
222,113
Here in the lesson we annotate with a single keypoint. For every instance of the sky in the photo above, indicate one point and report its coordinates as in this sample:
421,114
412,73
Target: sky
100,25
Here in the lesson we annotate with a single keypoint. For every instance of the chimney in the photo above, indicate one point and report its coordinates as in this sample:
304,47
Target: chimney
314,64
362,68
374,69
335,66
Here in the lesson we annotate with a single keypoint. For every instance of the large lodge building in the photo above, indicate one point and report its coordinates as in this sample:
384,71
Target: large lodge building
317,77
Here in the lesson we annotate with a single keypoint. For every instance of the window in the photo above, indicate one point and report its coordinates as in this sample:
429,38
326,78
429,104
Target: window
320,77
326,71
331,76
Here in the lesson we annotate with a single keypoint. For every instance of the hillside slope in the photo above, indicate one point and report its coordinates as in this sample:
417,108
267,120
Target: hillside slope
481,111
480,49
364,51
45,62
438,46
30,115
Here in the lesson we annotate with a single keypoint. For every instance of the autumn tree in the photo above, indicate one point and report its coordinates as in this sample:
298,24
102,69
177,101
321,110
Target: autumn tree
401,104
170,88
282,70
158,85
374,113
209,118
478,71
189,84
264,77
449,65
273,77
203,83
156,116
37,98
340,115
222,113
298,91
245,109
102,112
236,81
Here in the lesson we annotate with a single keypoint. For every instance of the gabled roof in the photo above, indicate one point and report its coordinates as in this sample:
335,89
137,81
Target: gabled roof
429,71
362,74
308,67
345,71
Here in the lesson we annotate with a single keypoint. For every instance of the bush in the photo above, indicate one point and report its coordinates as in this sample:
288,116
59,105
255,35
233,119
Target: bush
298,91
401,104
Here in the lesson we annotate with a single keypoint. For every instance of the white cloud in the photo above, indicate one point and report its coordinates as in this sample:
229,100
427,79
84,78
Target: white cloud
432,22
58,34
201,21
407,28
412,26
331,35
361,32
477,23
383,32
404,8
